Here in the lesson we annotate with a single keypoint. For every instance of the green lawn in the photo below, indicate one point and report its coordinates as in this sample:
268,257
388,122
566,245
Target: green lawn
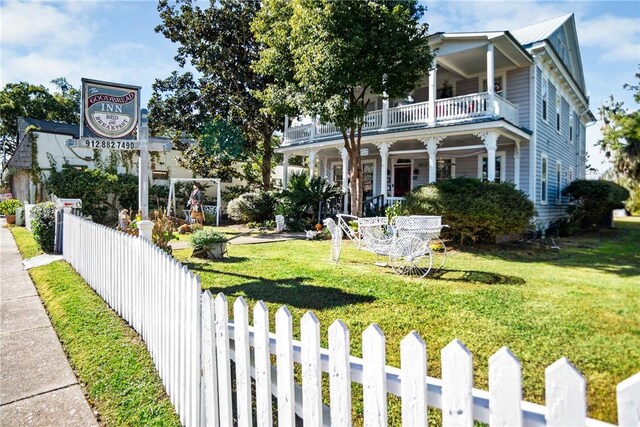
582,302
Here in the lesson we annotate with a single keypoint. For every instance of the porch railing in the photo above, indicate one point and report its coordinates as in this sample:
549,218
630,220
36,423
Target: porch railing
456,108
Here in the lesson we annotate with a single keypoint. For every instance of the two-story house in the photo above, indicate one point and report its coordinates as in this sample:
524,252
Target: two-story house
526,126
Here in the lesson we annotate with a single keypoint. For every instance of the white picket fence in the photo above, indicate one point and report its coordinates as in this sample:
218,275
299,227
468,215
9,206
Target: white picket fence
192,342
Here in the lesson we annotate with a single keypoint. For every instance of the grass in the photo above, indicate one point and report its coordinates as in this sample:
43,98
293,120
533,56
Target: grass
582,302
108,357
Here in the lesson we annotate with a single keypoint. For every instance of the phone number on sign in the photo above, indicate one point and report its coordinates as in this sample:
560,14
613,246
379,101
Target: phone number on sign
116,145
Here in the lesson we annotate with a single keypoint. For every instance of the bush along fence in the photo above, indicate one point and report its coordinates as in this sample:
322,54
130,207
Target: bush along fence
193,342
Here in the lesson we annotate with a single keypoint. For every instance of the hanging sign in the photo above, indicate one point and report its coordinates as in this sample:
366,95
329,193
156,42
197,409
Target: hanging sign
109,110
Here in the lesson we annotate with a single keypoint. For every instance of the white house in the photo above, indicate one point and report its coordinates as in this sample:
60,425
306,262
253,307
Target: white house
50,141
527,126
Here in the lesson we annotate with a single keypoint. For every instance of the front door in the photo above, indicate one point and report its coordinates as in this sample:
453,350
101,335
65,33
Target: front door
401,180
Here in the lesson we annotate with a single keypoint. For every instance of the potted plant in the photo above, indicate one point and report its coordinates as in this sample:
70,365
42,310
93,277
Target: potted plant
208,243
8,209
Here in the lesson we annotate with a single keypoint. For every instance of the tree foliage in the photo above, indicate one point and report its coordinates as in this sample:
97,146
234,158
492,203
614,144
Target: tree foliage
621,134
103,192
326,57
594,201
218,43
35,101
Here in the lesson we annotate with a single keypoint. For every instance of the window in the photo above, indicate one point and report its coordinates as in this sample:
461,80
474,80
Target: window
368,169
445,169
558,109
558,183
160,174
543,181
545,92
570,126
336,174
483,167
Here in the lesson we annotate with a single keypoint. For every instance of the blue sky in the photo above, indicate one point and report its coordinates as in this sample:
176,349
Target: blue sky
115,41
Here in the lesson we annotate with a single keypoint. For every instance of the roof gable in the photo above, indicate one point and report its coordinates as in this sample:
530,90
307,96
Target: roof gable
560,35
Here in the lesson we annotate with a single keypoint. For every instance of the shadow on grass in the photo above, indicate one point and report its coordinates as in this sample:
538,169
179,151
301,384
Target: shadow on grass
293,292
615,251
467,276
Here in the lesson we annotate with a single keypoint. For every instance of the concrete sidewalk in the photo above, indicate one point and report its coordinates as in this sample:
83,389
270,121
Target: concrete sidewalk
37,385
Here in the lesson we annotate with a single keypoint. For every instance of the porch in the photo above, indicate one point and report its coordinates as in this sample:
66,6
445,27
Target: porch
392,168
459,109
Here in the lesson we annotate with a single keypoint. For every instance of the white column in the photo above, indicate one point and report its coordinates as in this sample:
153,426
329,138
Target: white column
312,164
432,94
432,150
345,177
516,165
143,168
490,140
384,165
286,128
146,228
285,170
385,111
490,79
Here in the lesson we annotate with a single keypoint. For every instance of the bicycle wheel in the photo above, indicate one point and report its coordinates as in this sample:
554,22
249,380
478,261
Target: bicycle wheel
410,256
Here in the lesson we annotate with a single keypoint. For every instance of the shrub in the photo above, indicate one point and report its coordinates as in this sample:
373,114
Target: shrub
475,210
594,201
202,238
257,207
43,225
8,207
299,202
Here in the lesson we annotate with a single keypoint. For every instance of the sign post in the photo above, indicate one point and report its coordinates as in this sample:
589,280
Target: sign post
143,167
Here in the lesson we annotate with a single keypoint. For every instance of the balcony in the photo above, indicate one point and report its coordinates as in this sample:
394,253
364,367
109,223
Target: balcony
449,110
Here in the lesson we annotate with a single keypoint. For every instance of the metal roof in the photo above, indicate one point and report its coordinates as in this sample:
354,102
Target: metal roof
539,31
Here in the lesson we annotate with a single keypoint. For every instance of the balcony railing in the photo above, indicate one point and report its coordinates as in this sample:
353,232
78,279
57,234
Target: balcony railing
446,110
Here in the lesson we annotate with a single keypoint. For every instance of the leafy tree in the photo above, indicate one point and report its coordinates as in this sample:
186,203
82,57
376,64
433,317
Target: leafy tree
621,134
327,56
218,43
35,101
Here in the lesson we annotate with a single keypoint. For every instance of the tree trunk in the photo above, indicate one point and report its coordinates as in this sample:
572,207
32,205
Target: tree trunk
352,144
267,151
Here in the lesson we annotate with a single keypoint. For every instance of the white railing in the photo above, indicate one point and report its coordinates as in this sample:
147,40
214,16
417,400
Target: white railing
154,293
461,107
456,108
192,342
506,109
409,114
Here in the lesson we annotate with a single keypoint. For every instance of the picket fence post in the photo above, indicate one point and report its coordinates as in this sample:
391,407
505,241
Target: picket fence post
565,395
505,386
457,383
374,376
284,361
413,362
339,374
628,397
262,364
223,360
311,373
243,361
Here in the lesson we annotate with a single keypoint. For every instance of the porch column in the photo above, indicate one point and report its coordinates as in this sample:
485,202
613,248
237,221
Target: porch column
385,111
286,128
490,79
312,163
432,150
516,165
285,170
490,140
384,165
431,119
345,178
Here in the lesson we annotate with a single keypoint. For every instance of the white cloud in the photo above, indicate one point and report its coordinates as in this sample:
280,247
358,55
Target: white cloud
55,27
